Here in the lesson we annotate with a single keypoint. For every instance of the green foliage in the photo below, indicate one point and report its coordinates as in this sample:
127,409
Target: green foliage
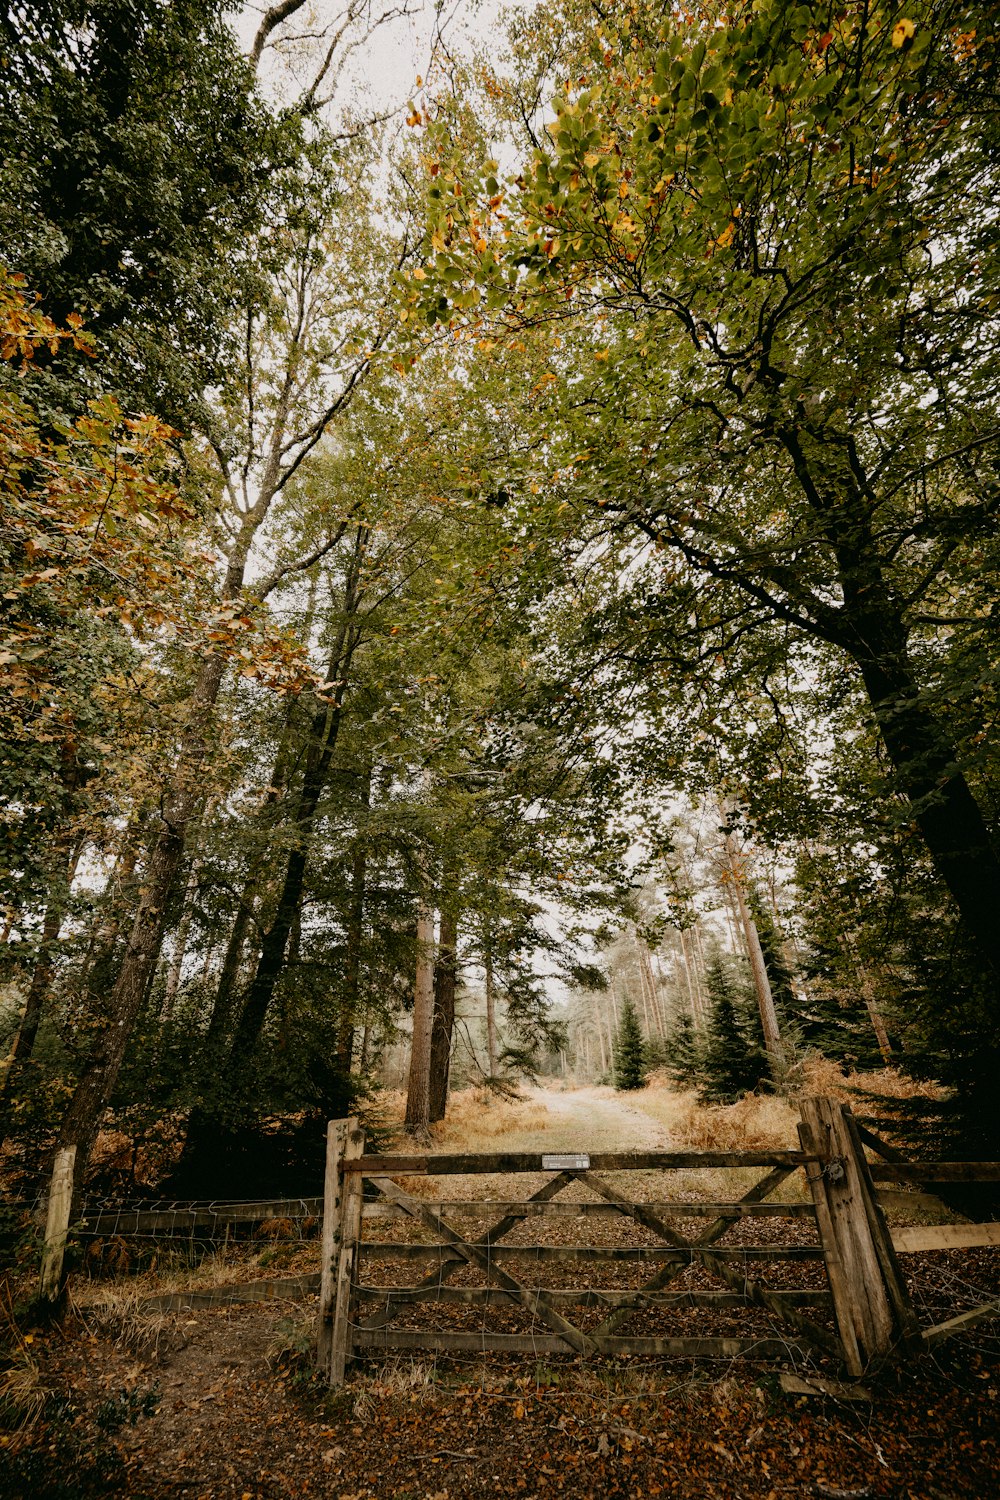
135,158
629,1049
733,1061
683,1052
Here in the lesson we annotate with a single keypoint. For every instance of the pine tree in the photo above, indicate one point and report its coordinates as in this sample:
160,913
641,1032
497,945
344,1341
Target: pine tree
733,1060
629,1050
683,1052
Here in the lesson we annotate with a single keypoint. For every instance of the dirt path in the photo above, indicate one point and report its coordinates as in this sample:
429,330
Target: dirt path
593,1119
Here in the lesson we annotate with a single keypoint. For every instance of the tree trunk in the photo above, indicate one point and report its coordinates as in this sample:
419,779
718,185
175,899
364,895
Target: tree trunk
66,859
326,730
944,808
492,1047
445,984
351,998
758,969
176,965
418,1098
117,1017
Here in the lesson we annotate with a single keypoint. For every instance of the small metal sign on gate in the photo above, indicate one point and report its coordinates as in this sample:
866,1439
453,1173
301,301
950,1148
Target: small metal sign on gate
573,1163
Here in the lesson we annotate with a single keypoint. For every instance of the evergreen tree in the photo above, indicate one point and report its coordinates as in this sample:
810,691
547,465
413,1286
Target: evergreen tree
683,1053
629,1050
733,1061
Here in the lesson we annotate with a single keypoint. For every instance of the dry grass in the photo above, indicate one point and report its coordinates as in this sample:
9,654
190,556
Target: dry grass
821,1076
23,1394
763,1122
754,1123
478,1119
119,1315
230,1267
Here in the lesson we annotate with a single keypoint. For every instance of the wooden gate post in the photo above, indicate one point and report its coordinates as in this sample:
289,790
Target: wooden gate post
869,1297
342,1198
57,1224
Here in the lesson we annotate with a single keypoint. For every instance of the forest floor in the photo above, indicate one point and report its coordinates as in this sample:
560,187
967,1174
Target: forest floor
222,1404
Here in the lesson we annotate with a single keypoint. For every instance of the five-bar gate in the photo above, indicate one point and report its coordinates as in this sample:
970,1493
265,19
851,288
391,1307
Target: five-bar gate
855,1310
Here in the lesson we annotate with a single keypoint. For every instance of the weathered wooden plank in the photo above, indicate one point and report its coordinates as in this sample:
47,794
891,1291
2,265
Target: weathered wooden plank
57,1224
549,1343
333,1212
709,1235
714,1261
496,1231
907,1323
941,1331
816,1385
531,1161
673,1209
864,1315
945,1236
535,1301
584,1253
182,1218
490,1296
271,1290
936,1171
905,1200
343,1238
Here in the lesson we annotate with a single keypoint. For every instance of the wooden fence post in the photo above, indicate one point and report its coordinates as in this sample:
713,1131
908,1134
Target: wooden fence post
870,1313
57,1224
342,1199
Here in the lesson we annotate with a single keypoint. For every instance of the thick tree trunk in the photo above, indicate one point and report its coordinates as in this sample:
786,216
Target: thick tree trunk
870,625
445,985
944,808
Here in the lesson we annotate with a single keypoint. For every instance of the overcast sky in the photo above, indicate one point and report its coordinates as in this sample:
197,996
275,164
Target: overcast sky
383,74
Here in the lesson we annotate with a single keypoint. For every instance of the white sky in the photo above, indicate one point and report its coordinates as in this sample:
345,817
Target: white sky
382,74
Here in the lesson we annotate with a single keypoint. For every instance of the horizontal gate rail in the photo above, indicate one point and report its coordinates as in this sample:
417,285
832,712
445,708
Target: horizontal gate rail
533,1161
675,1209
935,1171
490,1296
548,1343
583,1253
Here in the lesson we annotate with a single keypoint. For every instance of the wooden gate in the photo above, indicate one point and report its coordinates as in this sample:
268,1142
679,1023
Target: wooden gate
901,1183
850,1246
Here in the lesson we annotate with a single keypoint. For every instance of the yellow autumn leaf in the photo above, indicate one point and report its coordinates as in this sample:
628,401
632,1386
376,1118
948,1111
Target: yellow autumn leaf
419,274
591,159
726,235
903,32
